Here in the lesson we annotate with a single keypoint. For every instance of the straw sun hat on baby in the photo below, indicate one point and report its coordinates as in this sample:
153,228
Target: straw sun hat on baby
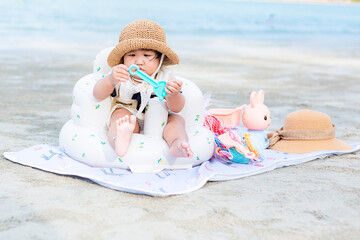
306,131
142,34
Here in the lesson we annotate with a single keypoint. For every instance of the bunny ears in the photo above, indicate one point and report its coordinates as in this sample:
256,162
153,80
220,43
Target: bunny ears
256,98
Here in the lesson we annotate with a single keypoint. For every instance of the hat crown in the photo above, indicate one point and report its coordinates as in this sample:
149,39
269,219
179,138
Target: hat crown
307,119
142,34
143,29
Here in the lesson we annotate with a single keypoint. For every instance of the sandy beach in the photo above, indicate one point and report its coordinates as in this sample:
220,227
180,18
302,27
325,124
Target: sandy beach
316,200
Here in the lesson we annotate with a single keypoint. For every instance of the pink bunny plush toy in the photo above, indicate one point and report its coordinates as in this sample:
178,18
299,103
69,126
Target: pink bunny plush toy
235,145
256,118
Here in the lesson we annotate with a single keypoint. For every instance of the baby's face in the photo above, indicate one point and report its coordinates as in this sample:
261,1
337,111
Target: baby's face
147,60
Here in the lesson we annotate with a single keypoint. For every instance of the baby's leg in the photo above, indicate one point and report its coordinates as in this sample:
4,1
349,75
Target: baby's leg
124,129
176,137
122,126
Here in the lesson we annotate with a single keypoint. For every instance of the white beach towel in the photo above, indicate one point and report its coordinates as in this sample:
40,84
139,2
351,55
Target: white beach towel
164,183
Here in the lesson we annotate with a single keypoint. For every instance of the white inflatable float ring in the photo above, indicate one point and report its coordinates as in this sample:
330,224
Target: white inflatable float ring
84,137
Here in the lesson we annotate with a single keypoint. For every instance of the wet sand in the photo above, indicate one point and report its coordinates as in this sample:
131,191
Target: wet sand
316,200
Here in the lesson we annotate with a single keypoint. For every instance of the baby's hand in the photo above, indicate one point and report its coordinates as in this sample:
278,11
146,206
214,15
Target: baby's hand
119,73
173,87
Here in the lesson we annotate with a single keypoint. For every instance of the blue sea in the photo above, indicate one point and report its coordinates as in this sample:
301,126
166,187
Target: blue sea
26,24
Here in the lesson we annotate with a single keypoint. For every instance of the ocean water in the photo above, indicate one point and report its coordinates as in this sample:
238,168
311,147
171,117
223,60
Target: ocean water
25,23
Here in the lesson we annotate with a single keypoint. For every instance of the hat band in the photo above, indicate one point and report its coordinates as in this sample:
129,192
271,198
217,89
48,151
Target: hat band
301,134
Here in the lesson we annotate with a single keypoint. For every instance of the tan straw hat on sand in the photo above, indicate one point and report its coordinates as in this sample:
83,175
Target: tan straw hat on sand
306,131
142,34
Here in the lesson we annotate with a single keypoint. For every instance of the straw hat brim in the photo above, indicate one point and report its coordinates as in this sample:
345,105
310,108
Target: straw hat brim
126,46
307,146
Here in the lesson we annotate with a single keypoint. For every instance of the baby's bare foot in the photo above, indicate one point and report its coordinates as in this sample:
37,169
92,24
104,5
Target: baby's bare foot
124,130
180,148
